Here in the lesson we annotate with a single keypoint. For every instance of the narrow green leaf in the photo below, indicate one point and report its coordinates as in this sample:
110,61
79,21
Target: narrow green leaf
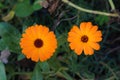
62,39
64,75
2,44
100,19
1,5
88,75
20,57
44,66
37,73
2,72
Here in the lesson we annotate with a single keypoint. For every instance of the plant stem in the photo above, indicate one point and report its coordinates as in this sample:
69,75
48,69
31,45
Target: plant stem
112,4
90,11
111,70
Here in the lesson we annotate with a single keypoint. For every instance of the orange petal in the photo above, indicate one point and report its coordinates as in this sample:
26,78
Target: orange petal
24,44
98,34
78,51
50,40
94,45
73,39
48,54
83,27
88,27
75,29
93,29
95,39
50,36
38,30
34,56
27,43
45,30
88,50
42,56
72,46
74,35
31,32
27,53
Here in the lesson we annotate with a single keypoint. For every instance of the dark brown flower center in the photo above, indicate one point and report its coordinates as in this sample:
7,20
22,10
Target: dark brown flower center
84,38
38,43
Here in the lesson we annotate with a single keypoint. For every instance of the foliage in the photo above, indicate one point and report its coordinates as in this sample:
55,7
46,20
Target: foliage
64,64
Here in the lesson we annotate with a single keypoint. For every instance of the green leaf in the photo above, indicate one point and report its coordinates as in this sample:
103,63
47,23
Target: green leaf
6,28
54,63
10,37
36,6
44,66
1,5
100,19
20,57
65,75
2,72
62,39
88,75
2,44
37,73
23,9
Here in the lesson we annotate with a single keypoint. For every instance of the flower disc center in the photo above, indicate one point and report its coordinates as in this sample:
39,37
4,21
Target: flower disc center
38,43
84,39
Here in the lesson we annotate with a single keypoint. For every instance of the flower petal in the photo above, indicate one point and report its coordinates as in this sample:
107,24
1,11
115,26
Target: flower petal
88,50
33,33
76,29
93,36
95,39
88,27
98,34
94,45
41,55
72,46
93,29
78,51
83,27
34,56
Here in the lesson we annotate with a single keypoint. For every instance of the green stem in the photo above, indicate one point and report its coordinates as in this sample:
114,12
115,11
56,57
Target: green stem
104,64
90,11
64,75
78,74
20,73
112,4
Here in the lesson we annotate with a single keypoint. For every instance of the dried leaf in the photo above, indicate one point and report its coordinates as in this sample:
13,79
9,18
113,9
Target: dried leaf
44,4
4,55
51,5
9,16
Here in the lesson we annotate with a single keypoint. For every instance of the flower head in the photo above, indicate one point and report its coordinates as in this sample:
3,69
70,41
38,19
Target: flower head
38,43
85,38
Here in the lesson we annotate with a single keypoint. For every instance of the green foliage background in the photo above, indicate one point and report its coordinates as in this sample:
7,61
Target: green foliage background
64,64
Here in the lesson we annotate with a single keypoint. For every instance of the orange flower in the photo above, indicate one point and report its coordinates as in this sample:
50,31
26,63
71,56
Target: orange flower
38,43
85,38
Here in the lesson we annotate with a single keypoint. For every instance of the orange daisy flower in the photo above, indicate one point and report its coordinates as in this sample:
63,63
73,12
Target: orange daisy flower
85,38
38,43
